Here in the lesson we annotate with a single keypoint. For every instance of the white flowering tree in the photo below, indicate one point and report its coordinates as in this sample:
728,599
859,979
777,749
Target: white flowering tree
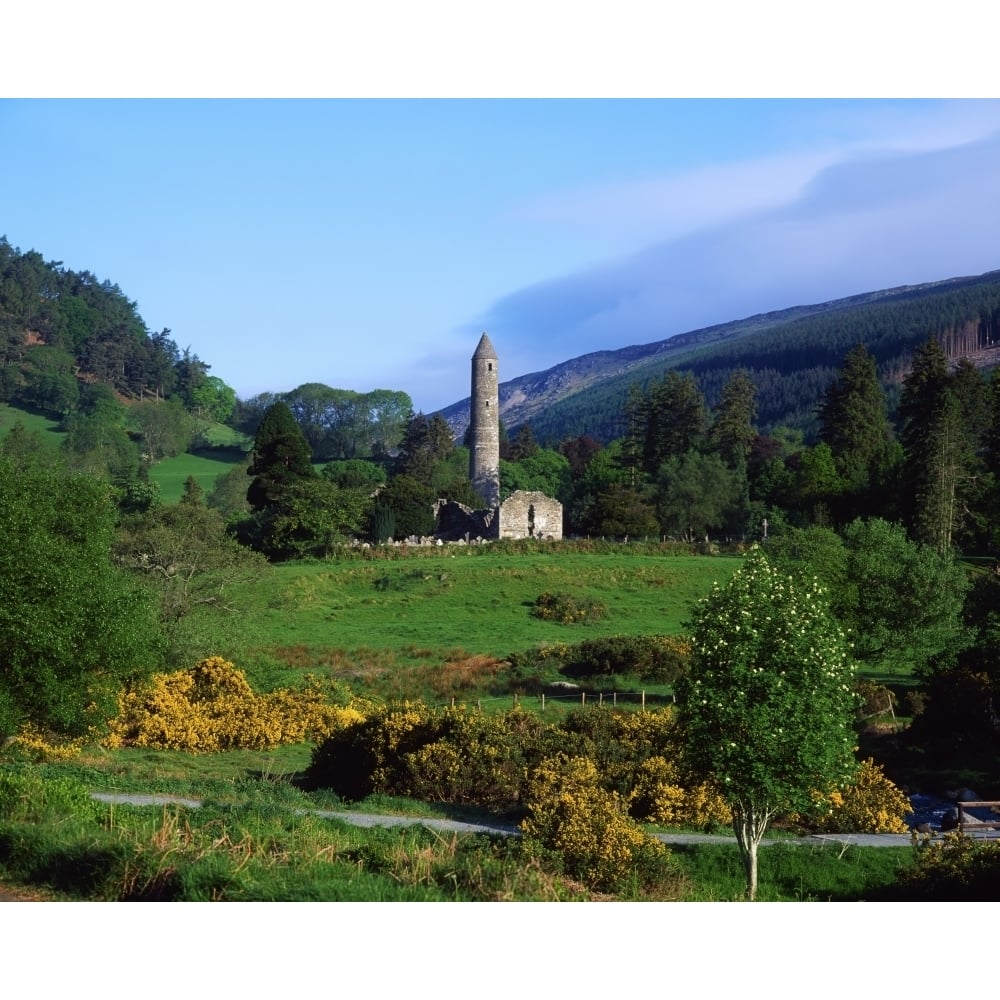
767,704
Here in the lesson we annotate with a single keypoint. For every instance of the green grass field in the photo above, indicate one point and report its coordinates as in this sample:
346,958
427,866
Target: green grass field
44,426
257,837
470,600
171,474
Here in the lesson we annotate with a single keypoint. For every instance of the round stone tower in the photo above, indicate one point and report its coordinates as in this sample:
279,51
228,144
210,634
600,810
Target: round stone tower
484,424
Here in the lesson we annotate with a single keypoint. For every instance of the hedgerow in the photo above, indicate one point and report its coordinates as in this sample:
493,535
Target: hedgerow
659,659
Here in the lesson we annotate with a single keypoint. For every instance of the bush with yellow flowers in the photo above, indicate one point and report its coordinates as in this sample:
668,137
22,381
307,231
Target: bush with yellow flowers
954,867
44,747
618,741
212,707
570,816
659,796
368,755
870,803
436,755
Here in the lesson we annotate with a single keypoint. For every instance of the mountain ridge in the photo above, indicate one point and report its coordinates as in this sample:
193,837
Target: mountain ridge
527,398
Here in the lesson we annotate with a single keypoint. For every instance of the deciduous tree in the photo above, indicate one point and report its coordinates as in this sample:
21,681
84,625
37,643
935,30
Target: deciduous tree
73,627
766,706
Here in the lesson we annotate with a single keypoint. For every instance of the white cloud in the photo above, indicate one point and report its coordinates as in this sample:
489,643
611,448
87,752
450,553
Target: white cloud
673,205
856,226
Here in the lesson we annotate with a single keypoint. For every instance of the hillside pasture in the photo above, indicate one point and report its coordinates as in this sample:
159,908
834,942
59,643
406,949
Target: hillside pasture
372,622
171,474
46,427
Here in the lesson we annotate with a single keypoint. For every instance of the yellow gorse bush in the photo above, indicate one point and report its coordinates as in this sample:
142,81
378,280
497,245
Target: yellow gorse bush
871,803
660,797
44,747
569,813
212,707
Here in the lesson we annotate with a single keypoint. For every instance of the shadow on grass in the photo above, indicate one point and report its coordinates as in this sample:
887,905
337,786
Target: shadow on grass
793,873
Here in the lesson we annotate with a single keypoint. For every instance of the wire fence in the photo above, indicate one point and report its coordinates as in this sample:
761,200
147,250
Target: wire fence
583,699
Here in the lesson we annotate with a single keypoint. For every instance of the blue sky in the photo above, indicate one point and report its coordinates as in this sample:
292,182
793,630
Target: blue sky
367,243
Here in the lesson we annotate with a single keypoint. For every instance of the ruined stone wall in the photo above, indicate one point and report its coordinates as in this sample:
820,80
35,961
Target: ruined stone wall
529,514
454,522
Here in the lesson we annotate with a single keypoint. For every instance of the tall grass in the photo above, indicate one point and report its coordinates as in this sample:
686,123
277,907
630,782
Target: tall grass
268,844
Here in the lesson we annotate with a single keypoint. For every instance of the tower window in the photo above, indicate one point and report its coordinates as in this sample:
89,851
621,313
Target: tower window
489,366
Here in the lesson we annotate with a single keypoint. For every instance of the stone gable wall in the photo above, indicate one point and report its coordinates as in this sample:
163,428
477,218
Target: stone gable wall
529,514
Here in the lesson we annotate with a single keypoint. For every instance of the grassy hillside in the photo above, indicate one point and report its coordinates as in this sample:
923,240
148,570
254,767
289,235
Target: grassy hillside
435,625
227,448
45,426
477,602
171,474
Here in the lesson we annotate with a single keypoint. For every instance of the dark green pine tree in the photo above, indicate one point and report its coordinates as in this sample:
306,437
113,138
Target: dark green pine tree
939,470
991,450
939,508
854,422
426,443
972,396
635,421
280,457
675,419
732,432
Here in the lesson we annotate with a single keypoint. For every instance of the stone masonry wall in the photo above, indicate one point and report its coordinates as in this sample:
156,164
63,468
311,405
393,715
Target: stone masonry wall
529,514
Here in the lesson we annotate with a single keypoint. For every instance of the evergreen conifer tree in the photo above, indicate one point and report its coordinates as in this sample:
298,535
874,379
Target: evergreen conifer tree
280,457
853,420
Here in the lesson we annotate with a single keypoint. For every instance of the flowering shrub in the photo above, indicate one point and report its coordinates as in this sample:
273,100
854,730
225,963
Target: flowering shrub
618,742
444,755
566,609
480,759
212,707
367,755
571,815
657,658
659,797
44,747
871,803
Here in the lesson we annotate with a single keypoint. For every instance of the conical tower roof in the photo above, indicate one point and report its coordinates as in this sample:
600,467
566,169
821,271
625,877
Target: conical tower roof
485,349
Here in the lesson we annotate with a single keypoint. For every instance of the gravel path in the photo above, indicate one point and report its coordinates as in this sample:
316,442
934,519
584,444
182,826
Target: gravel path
509,830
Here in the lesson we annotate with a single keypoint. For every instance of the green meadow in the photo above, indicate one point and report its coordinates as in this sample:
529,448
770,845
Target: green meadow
480,603
172,473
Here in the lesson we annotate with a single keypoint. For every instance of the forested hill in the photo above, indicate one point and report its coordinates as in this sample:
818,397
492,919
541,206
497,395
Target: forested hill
61,330
792,355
